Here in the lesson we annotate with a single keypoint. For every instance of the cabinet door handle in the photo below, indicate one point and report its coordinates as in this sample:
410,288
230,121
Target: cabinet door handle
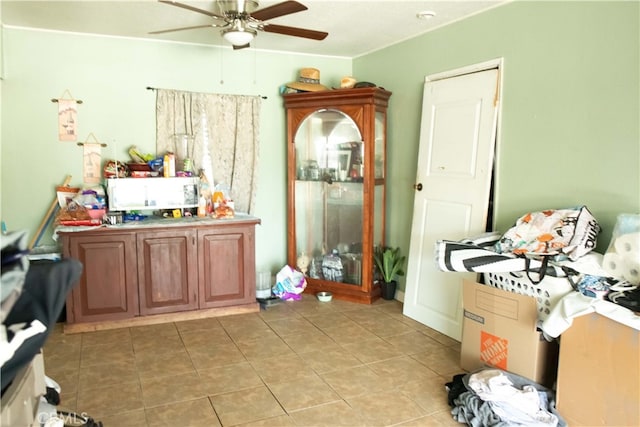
418,186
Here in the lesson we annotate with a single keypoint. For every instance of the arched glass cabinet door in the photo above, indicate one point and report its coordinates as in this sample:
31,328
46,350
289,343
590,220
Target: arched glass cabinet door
329,196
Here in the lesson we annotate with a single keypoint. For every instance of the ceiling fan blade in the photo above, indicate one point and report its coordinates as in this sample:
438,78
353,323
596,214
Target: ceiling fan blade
191,8
278,9
183,28
296,32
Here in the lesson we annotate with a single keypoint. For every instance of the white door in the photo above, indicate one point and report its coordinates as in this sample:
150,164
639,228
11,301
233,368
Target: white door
455,161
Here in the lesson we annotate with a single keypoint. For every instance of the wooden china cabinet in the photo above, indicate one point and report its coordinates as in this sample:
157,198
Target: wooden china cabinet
336,168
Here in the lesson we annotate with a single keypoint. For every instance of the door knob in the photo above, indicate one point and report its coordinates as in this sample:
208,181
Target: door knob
418,186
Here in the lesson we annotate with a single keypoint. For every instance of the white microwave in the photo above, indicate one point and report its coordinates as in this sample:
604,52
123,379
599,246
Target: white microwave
127,194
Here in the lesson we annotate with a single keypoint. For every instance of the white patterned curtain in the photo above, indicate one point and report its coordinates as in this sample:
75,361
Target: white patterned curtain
225,130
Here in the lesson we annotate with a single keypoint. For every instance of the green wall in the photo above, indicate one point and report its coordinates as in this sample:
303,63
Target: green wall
570,115
569,132
110,76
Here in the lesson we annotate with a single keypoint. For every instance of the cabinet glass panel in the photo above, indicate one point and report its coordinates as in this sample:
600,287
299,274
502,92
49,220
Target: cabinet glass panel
329,196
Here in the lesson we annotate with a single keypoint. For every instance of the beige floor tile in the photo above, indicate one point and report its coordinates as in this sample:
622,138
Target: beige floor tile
388,327
301,363
372,350
150,344
400,370
365,316
392,308
303,393
68,401
310,306
278,311
315,340
327,360
213,356
159,364
135,418
441,338
348,333
106,374
241,321
194,413
110,400
285,327
428,393
261,348
171,389
204,337
158,330
67,379
439,419
250,332
246,406
445,361
62,357
353,382
59,339
280,421
336,414
385,409
229,378
112,336
198,324
413,342
282,368
121,351
328,319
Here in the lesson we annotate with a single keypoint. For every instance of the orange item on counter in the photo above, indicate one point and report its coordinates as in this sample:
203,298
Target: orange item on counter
218,197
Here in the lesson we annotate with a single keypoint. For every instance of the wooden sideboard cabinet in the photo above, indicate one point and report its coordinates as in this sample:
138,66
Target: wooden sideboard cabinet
137,271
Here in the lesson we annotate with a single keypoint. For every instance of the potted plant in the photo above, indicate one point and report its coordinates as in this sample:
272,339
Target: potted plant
389,264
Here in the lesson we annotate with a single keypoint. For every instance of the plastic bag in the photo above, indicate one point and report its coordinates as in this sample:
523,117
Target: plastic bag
290,283
571,232
622,259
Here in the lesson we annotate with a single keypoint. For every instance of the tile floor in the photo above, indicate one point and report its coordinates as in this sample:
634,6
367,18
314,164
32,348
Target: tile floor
302,363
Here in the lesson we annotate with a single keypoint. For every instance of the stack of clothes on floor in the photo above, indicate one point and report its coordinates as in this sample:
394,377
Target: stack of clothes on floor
495,398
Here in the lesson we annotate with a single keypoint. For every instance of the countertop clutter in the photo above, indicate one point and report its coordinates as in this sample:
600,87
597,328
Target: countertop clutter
165,186
130,199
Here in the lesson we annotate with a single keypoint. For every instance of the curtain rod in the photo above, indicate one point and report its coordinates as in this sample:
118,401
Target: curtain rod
155,88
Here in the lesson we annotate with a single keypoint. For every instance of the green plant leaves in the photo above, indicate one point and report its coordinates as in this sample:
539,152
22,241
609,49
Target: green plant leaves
389,262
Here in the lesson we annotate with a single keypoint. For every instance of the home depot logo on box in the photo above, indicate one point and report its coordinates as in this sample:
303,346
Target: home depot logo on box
494,350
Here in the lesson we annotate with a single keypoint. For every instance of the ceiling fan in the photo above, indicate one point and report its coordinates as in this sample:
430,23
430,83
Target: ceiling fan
241,20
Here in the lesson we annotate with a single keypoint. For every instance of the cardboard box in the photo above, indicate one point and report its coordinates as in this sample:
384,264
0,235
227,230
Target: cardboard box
599,373
499,330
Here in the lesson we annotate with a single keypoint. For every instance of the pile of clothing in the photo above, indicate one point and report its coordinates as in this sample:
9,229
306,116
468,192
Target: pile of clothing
496,398
559,243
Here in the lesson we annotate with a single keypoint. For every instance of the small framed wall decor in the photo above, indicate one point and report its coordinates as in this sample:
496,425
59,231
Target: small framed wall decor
67,117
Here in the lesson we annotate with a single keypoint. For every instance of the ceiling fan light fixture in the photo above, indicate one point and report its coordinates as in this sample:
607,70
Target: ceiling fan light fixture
238,37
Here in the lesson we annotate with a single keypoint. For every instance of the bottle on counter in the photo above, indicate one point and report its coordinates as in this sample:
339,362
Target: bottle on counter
169,165
202,207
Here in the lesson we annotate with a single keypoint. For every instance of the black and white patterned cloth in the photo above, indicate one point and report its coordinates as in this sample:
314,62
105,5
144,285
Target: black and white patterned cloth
477,255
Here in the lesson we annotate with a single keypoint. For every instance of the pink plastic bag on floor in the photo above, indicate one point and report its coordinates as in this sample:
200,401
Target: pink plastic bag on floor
290,283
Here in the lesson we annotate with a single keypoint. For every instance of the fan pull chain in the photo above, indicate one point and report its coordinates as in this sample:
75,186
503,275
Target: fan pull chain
221,65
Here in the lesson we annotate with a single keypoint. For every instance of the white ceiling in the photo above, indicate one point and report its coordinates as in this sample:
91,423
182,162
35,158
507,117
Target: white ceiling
355,27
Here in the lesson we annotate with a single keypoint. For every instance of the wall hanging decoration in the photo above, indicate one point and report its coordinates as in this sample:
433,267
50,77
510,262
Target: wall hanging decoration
67,116
91,160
